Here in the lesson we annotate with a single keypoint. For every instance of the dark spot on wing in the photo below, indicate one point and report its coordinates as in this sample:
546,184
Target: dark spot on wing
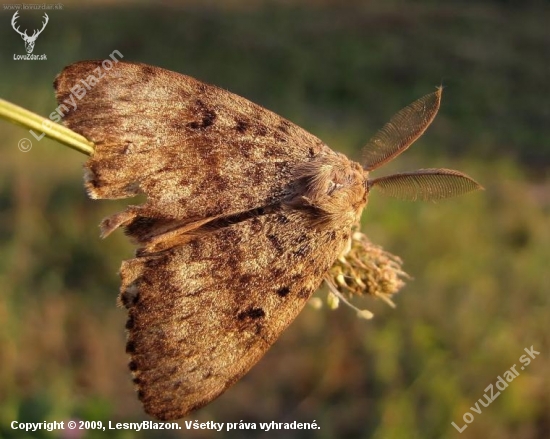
245,279
231,237
246,149
168,288
133,366
260,130
318,270
302,251
130,347
130,296
256,225
241,126
283,291
270,152
218,183
282,219
92,175
195,249
207,116
284,126
206,121
255,175
130,323
304,293
279,137
251,314
148,72
276,242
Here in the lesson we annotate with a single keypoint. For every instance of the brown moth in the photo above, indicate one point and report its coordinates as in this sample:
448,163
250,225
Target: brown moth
246,213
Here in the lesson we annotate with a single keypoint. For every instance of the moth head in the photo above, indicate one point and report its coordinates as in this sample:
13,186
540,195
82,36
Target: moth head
394,138
331,187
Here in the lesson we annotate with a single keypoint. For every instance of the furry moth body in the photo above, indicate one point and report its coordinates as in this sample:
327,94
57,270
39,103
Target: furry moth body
245,215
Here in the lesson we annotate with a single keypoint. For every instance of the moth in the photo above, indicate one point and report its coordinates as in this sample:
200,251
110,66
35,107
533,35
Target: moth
245,214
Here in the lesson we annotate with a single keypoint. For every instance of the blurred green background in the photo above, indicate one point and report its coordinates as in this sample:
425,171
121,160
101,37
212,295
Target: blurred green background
480,292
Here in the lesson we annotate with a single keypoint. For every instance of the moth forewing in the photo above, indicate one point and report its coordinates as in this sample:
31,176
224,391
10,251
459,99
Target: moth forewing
210,153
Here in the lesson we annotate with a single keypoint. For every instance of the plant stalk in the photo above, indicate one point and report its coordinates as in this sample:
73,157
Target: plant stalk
38,125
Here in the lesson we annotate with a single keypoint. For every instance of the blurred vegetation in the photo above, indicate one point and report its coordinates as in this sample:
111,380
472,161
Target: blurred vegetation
480,293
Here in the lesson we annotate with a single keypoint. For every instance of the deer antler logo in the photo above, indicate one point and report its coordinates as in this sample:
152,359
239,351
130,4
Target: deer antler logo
29,40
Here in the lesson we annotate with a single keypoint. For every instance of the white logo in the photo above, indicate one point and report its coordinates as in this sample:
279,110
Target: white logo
29,40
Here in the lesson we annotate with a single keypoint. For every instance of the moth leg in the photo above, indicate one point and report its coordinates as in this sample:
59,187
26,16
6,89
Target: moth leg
174,234
113,222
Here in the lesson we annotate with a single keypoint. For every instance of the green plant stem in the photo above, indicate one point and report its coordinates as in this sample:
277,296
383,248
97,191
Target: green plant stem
39,125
